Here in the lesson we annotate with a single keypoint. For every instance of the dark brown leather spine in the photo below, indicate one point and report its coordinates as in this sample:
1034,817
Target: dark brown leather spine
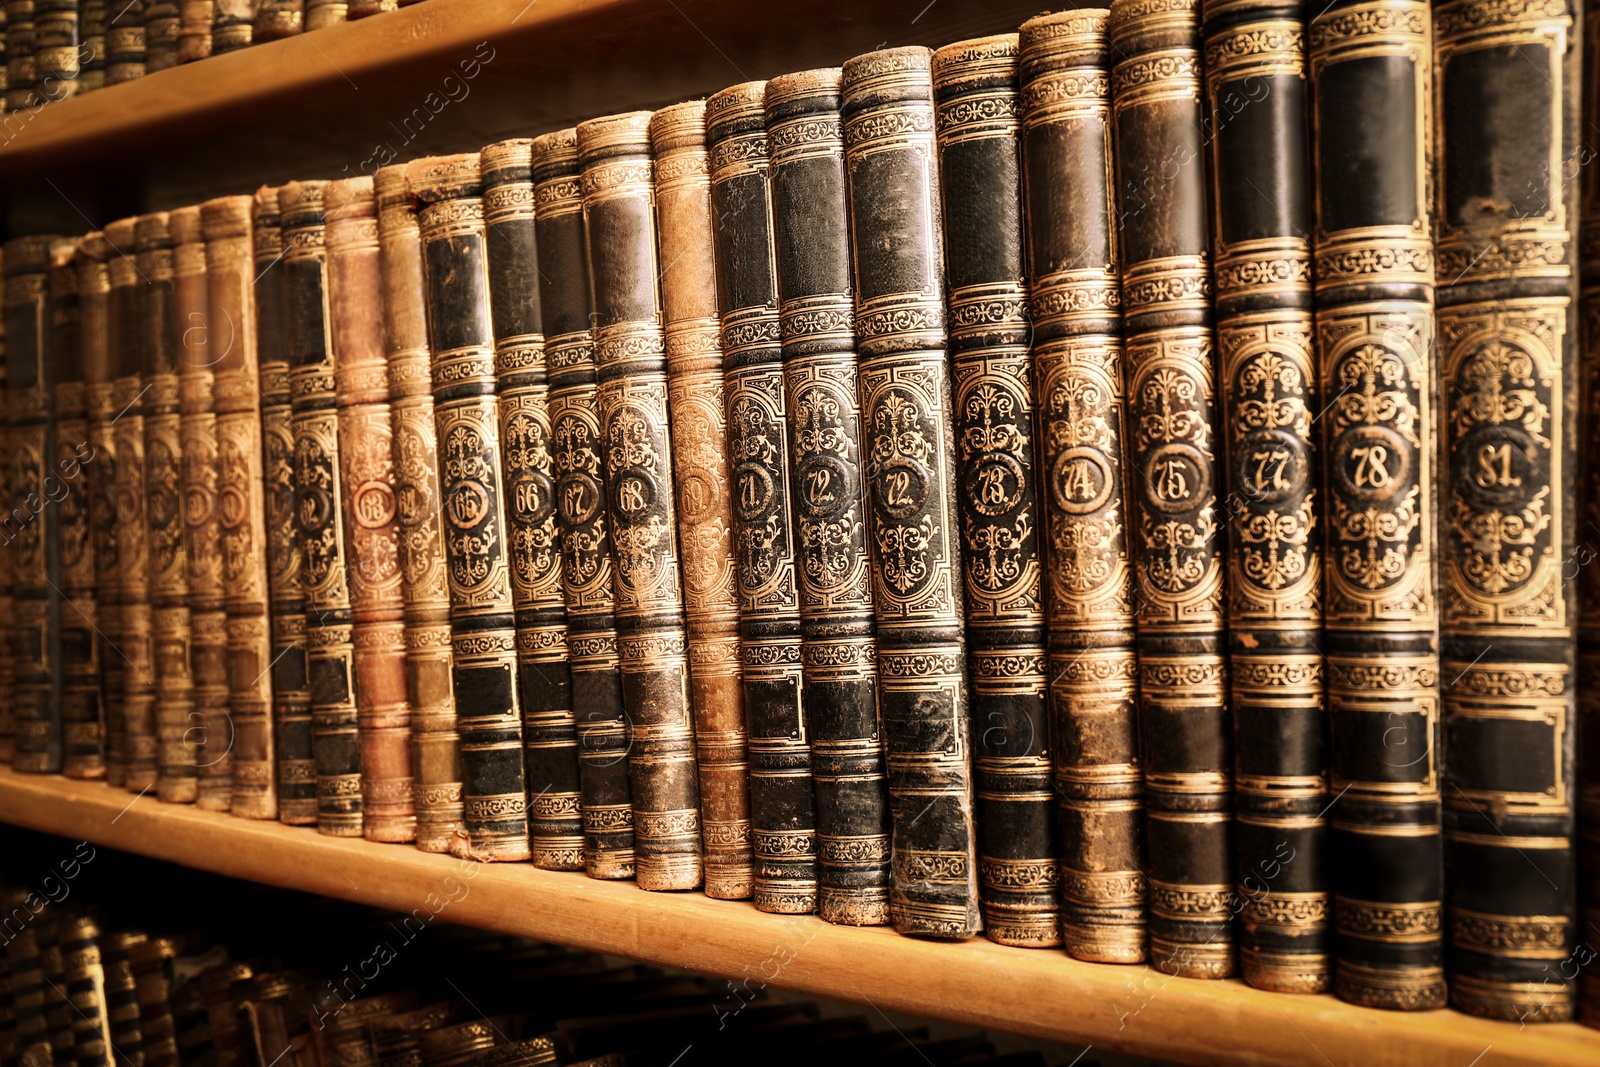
160,35
980,167
8,710
99,485
125,43
435,744
782,809
1176,532
549,732
588,567
360,9
699,416
232,340
1506,91
1587,576
897,237
122,1004
482,612
55,49
92,15
232,25
194,29
320,13
278,18
366,462
84,990
20,68
618,211
151,962
1372,261
811,242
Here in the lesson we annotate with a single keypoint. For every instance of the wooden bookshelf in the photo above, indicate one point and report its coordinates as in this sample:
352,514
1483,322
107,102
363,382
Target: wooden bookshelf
1039,993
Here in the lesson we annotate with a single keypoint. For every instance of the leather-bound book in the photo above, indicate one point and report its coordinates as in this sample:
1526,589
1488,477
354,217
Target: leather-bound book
78,937
1506,85
83,749
630,349
449,192
295,773
4,62
20,68
171,623
161,21
195,18
320,13
549,732
31,525
232,25
92,15
278,18
782,810
1075,296
57,1012
1255,63
8,710
897,237
26,982
699,416
372,543
151,962
125,1036
980,168
211,724
435,744
56,54
94,300
1372,261
588,569
1588,577
318,497
1176,529
811,244
360,9
125,43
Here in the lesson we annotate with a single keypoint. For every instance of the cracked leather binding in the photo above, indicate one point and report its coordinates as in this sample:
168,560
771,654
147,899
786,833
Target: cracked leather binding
99,474
92,15
588,569
904,378
1583,553
549,732
194,29
55,48
20,68
231,25
1260,221
1372,260
1506,79
161,23
1074,274
296,775
838,653
125,43
705,506
980,168
1176,533
8,710
782,811
482,612
278,18
372,545
435,744
652,642
318,495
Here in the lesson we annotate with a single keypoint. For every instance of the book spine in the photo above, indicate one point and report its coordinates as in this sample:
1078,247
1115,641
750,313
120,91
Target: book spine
33,518
195,18
1255,63
295,773
232,25
1582,568
85,991
588,569
695,402
811,246
782,809
275,19
320,13
82,741
482,612
435,743
1178,541
619,215
56,55
20,66
975,121
122,1006
57,1012
161,21
1507,133
904,378
211,725
92,16
8,710
360,9
1372,261
151,961
125,43
549,731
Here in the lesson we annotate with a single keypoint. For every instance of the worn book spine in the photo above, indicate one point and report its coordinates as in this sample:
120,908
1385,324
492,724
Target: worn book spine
449,190
782,809
1372,261
295,769
1075,297
980,167
122,1005
1587,574
368,504
435,743
8,709
318,504
695,401
92,15
56,54
232,25
278,18
33,519
161,21
4,62
320,13
1507,149
211,725
83,747
194,29
630,349
84,970
549,731
94,296
360,9
1178,537
1255,63
125,43
811,247
588,569
904,376
20,67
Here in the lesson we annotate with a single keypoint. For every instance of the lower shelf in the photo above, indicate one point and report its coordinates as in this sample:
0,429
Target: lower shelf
1043,993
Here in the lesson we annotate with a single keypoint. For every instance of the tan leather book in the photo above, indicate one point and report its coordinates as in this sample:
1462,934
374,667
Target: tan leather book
232,25
195,19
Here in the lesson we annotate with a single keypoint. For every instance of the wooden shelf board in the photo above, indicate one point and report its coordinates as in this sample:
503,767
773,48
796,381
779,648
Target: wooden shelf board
1039,993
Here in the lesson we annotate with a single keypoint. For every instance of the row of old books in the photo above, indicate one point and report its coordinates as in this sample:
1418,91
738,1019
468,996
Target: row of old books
1075,485
51,50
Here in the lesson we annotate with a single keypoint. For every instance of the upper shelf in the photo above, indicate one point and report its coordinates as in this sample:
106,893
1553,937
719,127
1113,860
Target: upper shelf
1039,993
